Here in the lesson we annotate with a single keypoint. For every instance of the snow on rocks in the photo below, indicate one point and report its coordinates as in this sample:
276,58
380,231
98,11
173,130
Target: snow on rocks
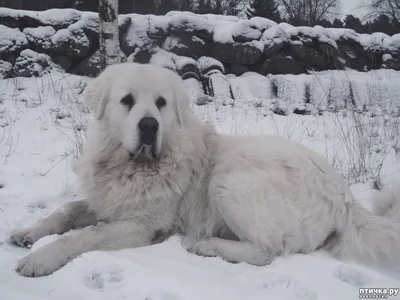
40,36
11,40
72,44
5,69
246,31
257,44
31,63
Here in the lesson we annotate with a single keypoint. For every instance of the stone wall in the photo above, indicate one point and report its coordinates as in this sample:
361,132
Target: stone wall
31,43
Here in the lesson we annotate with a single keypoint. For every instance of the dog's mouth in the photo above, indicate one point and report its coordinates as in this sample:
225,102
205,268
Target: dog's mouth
145,153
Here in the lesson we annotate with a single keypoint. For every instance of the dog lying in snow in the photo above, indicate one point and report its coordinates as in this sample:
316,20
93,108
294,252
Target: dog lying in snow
150,168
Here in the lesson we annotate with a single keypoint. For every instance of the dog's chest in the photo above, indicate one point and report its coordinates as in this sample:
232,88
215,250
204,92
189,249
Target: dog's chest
131,193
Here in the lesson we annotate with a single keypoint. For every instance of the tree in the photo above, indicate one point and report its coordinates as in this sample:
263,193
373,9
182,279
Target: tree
337,23
137,6
324,23
221,7
203,7
382,24
165,6
186,5
109,33
264,8
311,11
354,23
390,8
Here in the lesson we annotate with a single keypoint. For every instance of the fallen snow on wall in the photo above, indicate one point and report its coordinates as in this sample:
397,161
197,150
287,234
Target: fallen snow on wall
221,28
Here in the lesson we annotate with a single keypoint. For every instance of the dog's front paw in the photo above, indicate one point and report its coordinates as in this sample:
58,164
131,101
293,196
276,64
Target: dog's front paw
204,248
43,261
23,237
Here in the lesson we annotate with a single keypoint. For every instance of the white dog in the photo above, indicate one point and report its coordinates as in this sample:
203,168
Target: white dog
151,169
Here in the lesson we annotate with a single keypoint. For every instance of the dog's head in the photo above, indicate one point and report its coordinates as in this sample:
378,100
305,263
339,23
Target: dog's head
139,105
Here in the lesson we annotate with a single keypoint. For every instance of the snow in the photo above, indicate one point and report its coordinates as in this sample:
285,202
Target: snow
183,61
164,59
275,35
5,69
56,16
386,57
306,34
204,63
43,122
11,39
72,27
263,23
188,22
41,35
137,33
248,29
51,17
223,32
392,43
31,63
373,41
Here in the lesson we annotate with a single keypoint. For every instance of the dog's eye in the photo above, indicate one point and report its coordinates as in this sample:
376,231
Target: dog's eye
128,101
161,102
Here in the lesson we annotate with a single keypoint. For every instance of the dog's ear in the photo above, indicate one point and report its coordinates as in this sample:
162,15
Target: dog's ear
96,94
181,100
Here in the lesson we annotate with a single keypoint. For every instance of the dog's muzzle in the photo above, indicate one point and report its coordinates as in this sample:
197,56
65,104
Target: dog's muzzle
148,129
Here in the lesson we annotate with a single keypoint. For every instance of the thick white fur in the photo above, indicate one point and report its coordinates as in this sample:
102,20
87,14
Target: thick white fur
242,198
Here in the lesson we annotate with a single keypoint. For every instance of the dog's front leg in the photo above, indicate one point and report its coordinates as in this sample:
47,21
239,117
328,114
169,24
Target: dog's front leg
71,215
112,236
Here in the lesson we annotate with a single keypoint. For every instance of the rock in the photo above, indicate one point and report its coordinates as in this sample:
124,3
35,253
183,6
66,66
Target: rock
336,63
39,38
263,23
389,62
327,49
31,63
208,64
187,68
5,69
56,18
282,65
240,53
63,61
164,59
90,66
246,31
352,56
273,49
12,40
89,24
373,60
135,36
310,57
186,45
190,25
236,69
124,22
74,44
141,55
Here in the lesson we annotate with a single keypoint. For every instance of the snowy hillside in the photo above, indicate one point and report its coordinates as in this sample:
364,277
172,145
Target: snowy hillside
43,122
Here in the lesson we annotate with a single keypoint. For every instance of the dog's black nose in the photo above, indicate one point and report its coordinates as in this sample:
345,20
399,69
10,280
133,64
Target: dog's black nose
148,125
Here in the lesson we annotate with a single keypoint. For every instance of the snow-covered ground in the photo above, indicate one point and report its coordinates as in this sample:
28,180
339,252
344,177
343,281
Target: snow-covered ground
42,124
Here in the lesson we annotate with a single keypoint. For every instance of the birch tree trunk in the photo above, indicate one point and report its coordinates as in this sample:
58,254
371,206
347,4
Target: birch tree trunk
109,33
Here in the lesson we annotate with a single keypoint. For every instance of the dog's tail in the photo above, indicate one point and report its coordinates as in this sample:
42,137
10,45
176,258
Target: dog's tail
373,239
